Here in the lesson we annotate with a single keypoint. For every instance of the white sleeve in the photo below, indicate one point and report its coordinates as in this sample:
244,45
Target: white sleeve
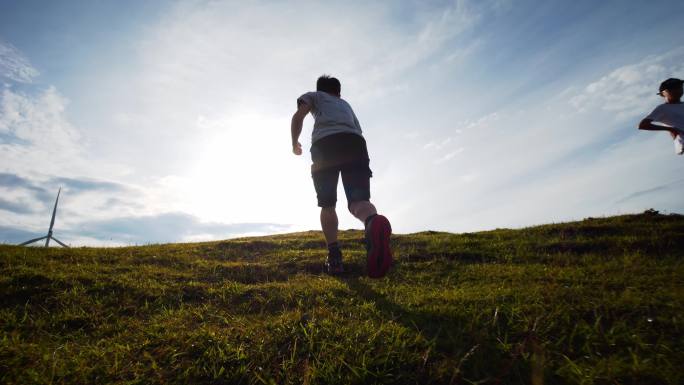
308,98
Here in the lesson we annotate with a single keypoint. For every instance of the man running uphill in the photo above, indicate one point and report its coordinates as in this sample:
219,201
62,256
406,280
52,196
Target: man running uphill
338,147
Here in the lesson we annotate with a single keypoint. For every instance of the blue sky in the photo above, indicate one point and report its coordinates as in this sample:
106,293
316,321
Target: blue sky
168,121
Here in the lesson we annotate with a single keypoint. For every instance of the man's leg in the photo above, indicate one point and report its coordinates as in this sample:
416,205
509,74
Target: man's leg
356,180
362,210
329,224
325,182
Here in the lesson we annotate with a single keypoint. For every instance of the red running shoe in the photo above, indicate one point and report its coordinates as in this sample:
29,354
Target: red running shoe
378,246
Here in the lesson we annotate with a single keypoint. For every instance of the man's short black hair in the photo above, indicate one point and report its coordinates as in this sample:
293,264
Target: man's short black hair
328,84
670,84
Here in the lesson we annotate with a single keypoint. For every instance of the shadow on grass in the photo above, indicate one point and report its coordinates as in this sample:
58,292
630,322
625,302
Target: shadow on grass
465,341
468,341
449,332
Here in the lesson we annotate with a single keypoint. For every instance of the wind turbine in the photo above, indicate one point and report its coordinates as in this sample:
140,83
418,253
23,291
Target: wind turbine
52,223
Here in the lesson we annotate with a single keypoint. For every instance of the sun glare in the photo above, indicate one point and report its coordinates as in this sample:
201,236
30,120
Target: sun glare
245,172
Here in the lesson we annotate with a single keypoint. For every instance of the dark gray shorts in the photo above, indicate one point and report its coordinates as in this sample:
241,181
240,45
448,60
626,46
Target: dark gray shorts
337,154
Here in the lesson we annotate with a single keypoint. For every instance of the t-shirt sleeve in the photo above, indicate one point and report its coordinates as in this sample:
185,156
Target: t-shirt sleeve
658,114
356,121
308,98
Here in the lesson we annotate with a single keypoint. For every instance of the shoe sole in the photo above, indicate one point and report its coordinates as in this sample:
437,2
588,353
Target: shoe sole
380,255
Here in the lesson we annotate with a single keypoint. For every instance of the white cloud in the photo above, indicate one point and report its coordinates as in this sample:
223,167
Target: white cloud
631,89
433,145
38,137
214,56
14,65
449,155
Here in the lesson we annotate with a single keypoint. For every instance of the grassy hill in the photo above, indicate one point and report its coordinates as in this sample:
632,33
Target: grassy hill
597,301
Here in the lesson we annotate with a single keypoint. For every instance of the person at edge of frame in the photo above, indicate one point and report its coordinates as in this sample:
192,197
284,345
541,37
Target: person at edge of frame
669,115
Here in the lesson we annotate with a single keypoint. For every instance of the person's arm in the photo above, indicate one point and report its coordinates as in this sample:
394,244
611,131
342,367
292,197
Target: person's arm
296,127
647,124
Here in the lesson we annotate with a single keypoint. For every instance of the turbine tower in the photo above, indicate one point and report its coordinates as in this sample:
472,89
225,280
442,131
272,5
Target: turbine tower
52,223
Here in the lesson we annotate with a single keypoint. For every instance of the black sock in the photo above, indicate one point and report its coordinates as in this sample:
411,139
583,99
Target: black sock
367,221
333,245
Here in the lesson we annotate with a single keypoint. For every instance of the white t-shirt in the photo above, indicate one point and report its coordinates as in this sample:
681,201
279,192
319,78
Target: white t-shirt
332,115
671,115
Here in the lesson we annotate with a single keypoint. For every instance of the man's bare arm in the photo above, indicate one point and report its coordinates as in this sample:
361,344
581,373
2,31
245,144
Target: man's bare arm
296,127
647,124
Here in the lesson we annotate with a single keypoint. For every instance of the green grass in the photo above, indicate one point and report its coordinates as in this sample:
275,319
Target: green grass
598,302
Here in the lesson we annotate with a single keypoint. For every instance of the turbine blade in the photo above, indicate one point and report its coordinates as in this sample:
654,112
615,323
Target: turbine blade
54,212
60,242
32,240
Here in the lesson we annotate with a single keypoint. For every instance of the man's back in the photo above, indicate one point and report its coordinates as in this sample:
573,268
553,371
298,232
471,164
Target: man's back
332,115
